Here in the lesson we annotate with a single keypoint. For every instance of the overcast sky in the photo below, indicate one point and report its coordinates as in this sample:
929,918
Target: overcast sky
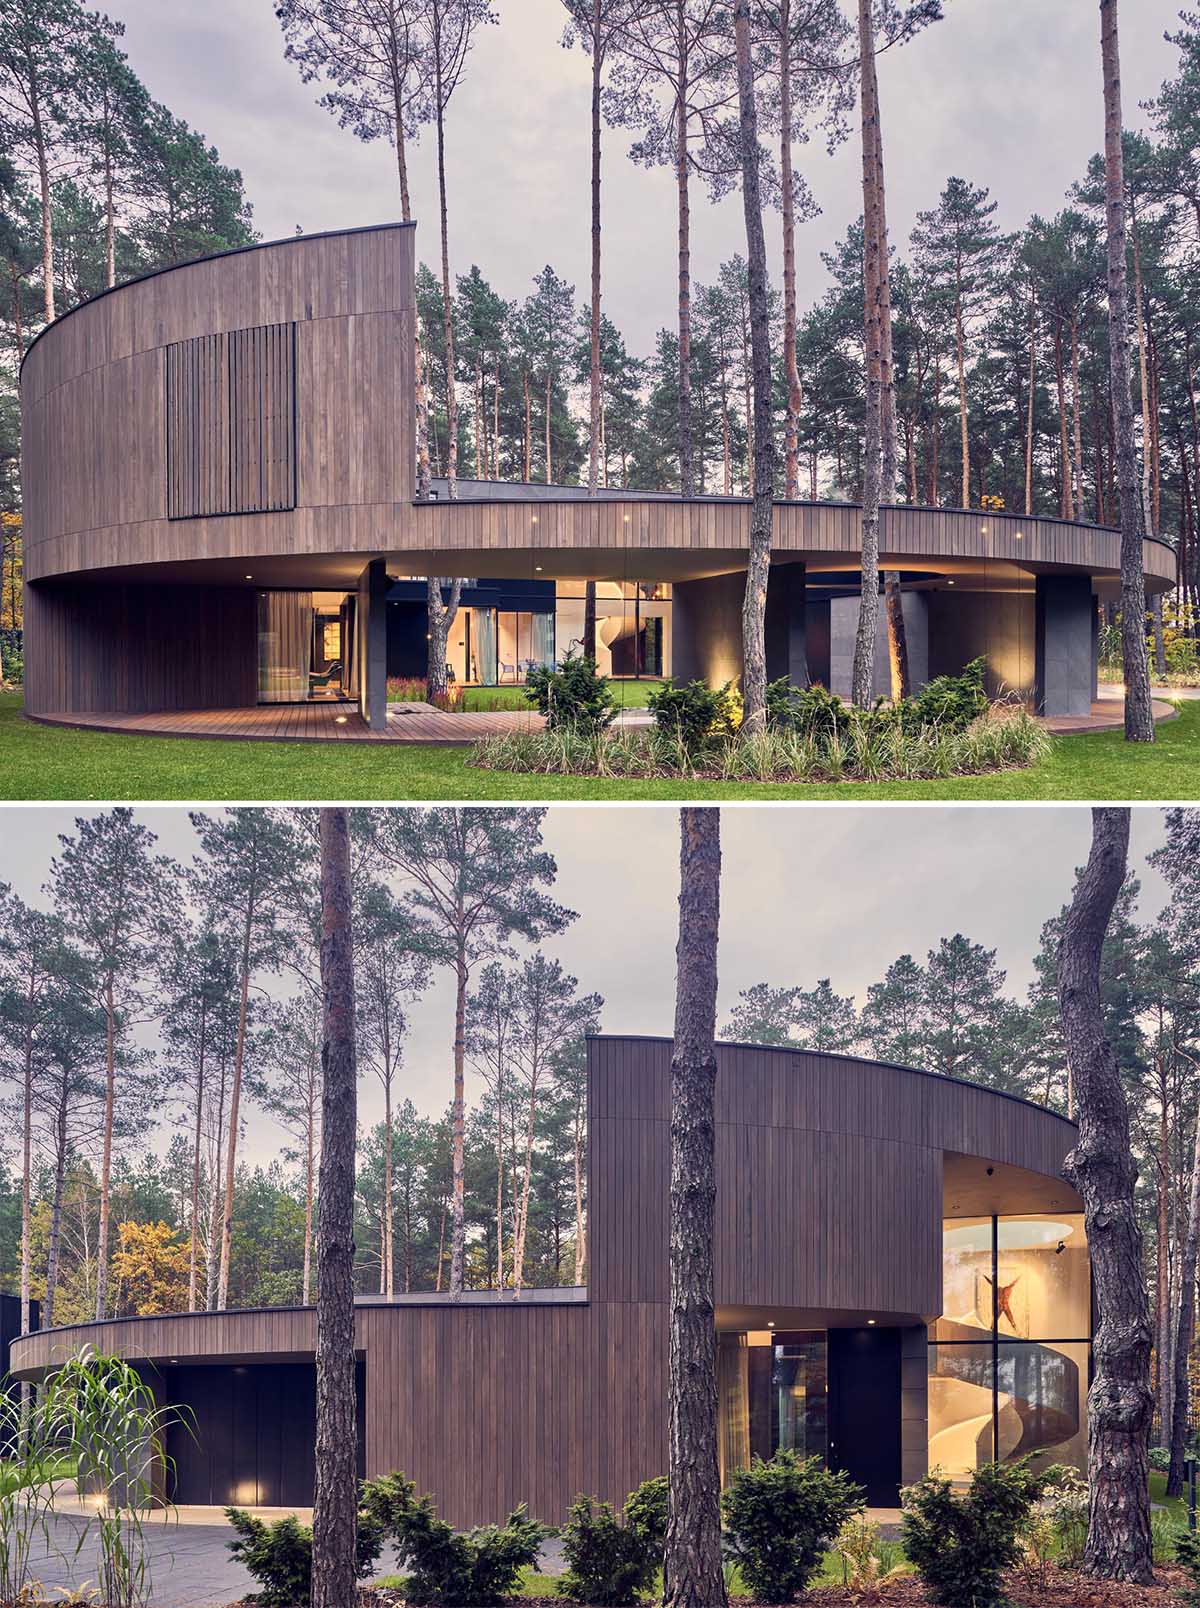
806,893
1005,93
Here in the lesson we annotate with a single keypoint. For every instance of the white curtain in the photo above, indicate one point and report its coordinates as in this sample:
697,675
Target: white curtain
483,646
541,649
284,646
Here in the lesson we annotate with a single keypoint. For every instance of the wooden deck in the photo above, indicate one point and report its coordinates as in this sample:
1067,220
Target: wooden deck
418,723
305,723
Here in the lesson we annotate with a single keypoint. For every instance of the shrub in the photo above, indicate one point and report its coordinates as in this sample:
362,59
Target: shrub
960,1544
1187,1553
1066,1494
780,1519
953,701
611,1563
1160,1458
574,695
465,1569
279,1555
695,713
806,709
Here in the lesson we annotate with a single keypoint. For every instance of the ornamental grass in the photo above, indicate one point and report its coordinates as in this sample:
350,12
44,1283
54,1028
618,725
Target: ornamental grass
1006,737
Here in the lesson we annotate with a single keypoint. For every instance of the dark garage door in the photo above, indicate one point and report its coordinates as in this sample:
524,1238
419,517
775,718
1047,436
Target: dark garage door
250,1440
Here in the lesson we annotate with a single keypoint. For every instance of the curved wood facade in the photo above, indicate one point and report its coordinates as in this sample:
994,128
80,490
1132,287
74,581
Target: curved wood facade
834,1174
246,421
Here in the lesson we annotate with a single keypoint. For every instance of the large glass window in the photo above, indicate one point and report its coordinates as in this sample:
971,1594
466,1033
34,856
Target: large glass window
772,1394
633,625
1008,1366
305,646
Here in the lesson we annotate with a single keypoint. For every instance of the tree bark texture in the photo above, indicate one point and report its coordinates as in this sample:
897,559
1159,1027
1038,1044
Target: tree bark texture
692,1564
685,258
458,1231
1139,716
441,617
758,566
1102,1169
335,1502
868,609
1186,1330
594,375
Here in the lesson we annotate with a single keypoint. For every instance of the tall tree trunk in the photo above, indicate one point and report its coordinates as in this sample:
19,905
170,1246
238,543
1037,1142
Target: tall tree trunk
1162,1244
692,1563
580,1220
110,1093
447,299
235,1103
440,617
421,414
335,1497
549,405
1143,372
1102,1169
791,488
589,620
56,1203
1029,402
1139,715
388,1287
27,1153
43,167
960,348
1076,425
594,418
110,254
457,1125
528,466
685,261
1186,1330
194,1237
1064,454
758,567
868,608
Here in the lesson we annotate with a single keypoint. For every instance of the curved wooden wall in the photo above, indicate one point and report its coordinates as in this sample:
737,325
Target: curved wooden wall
94,396
94,426
830,1174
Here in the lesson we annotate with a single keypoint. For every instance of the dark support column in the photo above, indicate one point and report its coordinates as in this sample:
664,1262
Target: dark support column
1065,612
372,644
787,643
1095,647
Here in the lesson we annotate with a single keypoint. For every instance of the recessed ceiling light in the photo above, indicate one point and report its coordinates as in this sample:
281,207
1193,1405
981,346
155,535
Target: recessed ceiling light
870,1323
339,720
538,568
249,577
771,1324
949,583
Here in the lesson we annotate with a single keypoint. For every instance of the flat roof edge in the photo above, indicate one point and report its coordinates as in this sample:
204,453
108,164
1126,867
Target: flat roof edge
839,1055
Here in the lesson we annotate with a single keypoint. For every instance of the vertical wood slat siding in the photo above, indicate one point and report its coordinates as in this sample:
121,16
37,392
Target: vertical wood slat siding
829,1194
231,412
829,1174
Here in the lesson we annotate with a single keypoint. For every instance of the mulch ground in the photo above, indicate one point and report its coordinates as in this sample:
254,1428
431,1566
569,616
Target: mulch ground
1058,1588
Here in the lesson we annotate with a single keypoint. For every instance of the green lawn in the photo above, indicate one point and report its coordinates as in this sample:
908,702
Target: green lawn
626,695
47,762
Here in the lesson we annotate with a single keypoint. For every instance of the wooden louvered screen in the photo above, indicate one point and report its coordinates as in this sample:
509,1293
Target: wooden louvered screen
231,422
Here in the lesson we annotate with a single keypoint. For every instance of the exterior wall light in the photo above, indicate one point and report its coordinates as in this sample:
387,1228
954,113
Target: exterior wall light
870,1323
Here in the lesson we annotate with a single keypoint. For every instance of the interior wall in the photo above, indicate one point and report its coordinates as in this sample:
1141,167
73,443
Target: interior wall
99,646
707,629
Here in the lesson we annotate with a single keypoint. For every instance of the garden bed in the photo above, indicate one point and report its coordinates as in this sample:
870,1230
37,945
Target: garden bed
1007,737
1027,1588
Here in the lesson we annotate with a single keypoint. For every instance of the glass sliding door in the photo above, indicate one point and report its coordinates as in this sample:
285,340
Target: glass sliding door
305,646
284,646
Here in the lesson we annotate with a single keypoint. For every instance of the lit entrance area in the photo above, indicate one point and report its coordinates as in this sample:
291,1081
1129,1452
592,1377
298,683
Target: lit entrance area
506,627
305,647
832,1394
1009,1357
